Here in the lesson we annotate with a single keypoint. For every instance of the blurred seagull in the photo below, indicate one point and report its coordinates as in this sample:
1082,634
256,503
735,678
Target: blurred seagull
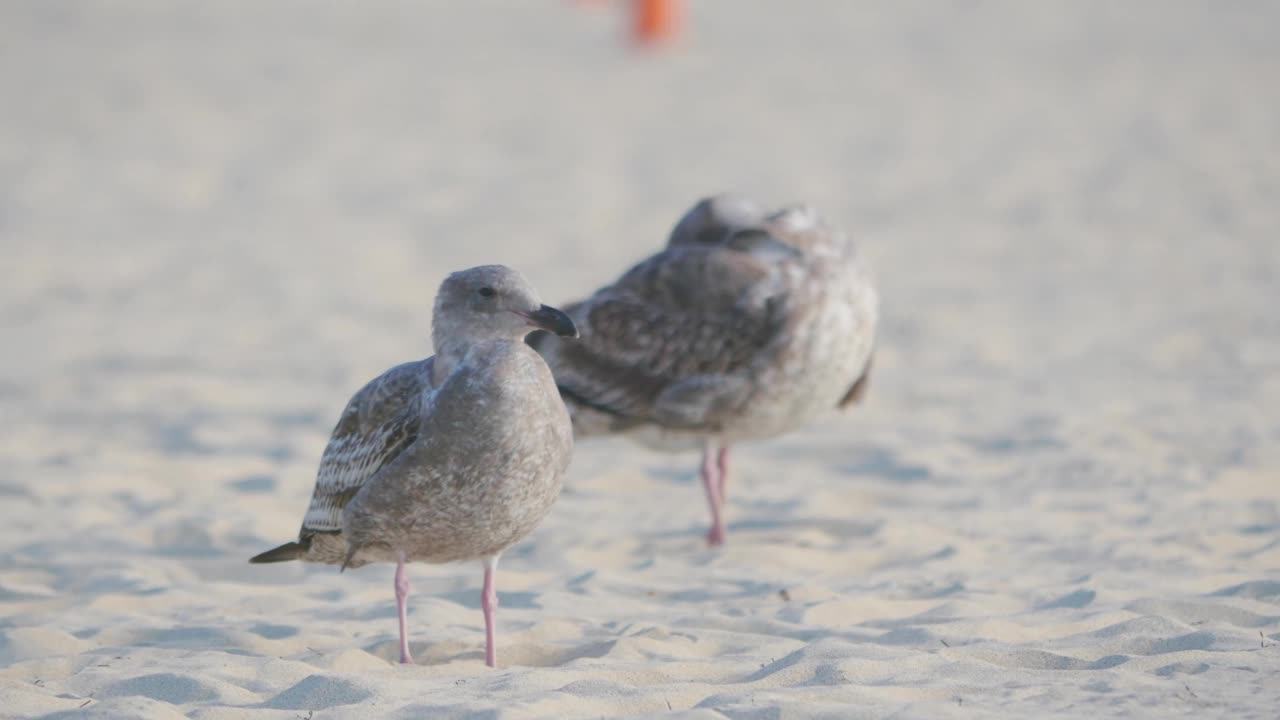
747,326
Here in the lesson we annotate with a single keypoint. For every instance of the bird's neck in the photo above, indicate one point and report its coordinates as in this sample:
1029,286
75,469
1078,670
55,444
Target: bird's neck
450,347
448,357
451,354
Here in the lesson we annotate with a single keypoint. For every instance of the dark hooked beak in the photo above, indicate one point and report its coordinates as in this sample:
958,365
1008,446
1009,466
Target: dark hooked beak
551,319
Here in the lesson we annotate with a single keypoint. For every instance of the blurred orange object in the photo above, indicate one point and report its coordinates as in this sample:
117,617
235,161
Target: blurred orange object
656,21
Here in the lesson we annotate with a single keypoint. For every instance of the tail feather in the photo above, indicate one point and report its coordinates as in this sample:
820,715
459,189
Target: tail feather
284,553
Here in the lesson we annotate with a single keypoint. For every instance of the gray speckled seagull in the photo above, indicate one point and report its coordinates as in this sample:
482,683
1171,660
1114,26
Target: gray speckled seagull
455,457
746,326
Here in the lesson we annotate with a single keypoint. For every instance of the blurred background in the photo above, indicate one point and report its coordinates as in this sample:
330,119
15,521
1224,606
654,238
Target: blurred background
219,219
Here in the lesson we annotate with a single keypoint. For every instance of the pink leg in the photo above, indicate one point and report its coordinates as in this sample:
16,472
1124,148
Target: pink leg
712,482
722,460
489,602
402,607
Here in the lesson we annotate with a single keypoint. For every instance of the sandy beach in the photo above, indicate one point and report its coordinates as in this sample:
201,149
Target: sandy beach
1061,498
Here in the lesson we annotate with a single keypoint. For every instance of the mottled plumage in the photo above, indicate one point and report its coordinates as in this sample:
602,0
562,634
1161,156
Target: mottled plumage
379,422
746,326
454,457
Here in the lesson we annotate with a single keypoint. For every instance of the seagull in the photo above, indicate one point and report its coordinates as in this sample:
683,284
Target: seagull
455,457
748,325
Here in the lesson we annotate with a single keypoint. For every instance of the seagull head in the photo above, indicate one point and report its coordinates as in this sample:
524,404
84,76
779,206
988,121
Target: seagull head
712,218
492,302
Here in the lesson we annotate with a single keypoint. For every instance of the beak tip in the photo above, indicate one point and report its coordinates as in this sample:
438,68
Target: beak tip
566,328
555,321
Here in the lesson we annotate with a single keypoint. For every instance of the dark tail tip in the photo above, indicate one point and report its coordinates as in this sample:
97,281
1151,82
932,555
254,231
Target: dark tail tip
286,552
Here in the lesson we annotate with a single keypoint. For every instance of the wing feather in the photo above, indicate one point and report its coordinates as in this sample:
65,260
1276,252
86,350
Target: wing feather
380,421
671,340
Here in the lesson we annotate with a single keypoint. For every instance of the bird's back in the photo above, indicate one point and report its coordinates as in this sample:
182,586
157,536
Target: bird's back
744,337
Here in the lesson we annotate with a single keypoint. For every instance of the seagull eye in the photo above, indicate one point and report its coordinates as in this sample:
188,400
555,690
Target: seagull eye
486,292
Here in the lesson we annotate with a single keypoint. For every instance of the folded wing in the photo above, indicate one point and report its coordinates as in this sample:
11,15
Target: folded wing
674,340
378,424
